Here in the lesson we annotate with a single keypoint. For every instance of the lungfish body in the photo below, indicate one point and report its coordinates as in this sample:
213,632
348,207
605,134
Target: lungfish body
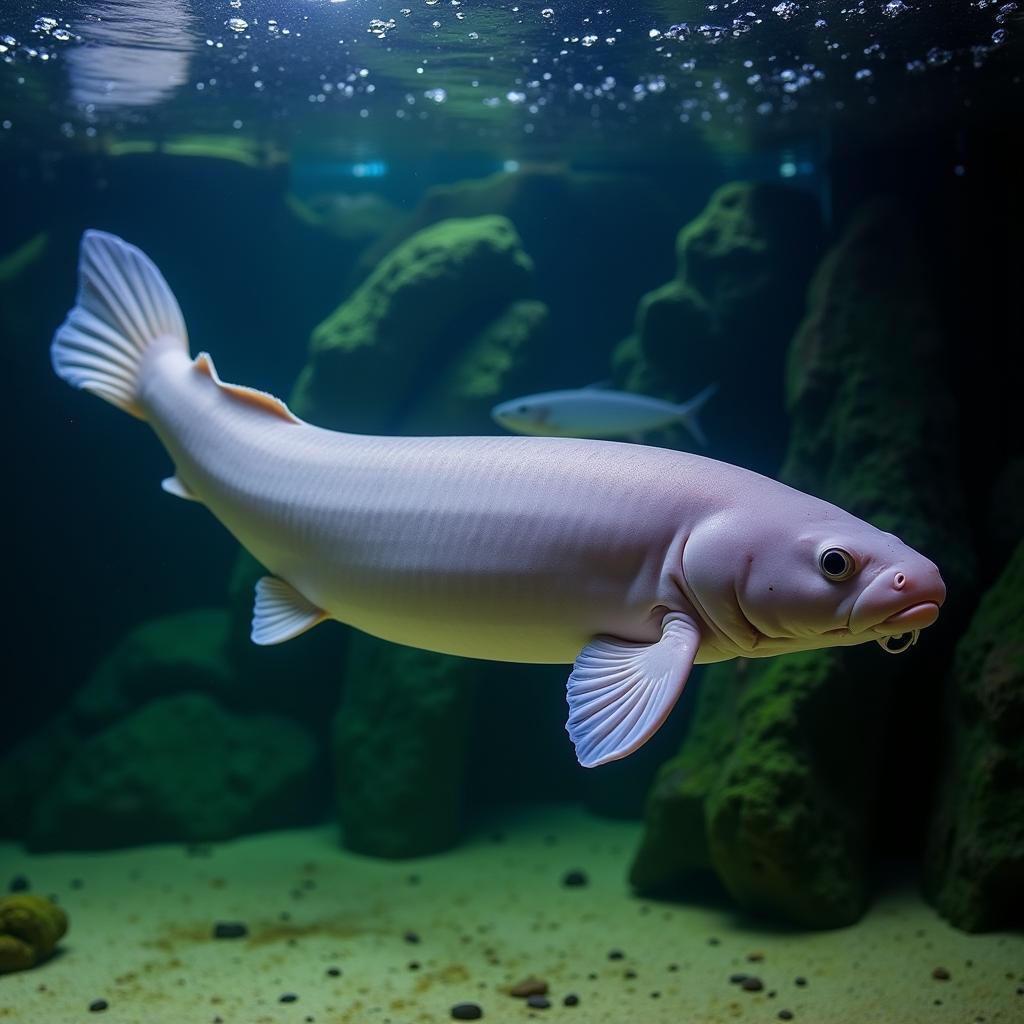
631,562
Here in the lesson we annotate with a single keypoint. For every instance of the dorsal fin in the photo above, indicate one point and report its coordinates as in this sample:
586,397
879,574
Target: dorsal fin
251,396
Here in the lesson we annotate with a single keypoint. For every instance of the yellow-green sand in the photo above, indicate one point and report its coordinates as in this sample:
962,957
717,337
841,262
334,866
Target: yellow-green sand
411,939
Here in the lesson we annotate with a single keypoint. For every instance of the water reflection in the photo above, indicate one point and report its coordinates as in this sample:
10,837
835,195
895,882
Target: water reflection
134,53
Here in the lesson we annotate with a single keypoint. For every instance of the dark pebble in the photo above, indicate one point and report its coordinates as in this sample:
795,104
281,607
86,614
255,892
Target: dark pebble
414,879
673,967
737,979
411,937
230,930
467,1011
1020,990
571,1000
785,1014
655,995
334,972
414,965
574,879
288,997
77,883
629,974
751,984
19,883
538,1002
98,1005
755,958
940,974
800,981
714,942
616,954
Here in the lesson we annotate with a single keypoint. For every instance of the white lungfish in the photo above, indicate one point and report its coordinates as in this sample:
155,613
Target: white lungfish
633,562
598,411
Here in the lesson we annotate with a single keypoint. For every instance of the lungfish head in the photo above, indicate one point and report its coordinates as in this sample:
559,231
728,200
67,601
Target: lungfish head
768,584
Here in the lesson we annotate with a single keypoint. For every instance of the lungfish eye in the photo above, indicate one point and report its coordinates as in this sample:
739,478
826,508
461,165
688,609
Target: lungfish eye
837,564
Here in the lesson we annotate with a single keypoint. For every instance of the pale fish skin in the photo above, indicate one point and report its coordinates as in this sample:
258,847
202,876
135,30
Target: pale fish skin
599,411
633,562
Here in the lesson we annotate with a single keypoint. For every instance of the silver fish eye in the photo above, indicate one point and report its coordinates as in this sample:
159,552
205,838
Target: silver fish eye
899,643
836,564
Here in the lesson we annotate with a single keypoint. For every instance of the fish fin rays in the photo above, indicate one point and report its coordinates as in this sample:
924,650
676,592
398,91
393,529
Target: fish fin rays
251,396
123,308
174,485
621,692
281,612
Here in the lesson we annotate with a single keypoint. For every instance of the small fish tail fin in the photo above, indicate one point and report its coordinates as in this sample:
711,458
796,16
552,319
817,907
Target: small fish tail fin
123,307
687,413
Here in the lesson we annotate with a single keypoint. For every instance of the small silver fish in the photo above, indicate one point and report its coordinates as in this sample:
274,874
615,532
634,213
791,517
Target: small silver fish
598,411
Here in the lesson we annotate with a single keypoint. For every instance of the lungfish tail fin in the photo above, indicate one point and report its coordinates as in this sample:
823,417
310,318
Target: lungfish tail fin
123,307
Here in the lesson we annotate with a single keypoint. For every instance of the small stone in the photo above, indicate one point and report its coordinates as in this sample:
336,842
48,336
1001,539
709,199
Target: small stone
467,1011
571,1000
288,997
414,965
574,879
413,938
940,974
629,974
529,987
230,930
538,1002
616,954
19,883
755,958
714,942
737,979
334,972
800,981
751,984
98,1005
785,1014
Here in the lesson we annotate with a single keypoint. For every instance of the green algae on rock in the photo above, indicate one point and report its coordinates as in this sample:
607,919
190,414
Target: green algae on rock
399,749
183,651
975,863
727,316
787,807
30,928
411,316
180,769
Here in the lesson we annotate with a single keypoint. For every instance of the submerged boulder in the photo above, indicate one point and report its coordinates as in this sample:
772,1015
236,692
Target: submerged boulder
401,744
975,862
180,769
742,270
786,804
411,317
183,651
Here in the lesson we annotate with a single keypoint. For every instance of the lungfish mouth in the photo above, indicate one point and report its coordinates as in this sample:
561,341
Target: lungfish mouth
917,616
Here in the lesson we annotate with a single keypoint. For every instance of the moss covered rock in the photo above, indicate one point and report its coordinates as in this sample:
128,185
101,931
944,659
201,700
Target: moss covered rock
792,750
183,651
499,361
597,241
401,743
727,316
408,320
30,928
975,865
180,769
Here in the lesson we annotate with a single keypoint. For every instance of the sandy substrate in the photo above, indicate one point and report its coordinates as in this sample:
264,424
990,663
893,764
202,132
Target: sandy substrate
359,941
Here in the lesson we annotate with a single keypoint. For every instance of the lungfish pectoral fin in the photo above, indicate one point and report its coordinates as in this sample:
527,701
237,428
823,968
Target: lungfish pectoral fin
621,692
176,486
281,612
